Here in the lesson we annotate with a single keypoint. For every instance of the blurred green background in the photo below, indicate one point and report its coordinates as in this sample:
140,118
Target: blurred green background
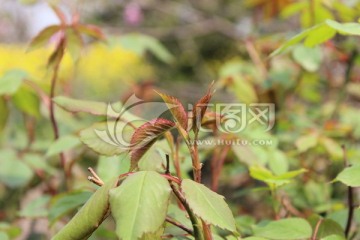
180,47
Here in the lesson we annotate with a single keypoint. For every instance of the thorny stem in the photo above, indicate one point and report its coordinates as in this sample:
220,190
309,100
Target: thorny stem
350,199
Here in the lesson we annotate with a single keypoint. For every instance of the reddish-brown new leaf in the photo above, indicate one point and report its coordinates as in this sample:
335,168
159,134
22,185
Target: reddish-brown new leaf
145,136
59,14
176,109
90,30
200,108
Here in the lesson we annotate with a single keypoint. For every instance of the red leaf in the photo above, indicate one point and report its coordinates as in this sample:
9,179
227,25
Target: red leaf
200,108
43,37
176,109
145,136
59,14
90,30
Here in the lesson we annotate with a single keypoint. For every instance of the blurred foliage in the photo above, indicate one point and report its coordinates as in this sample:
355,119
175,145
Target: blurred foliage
287,183
98,62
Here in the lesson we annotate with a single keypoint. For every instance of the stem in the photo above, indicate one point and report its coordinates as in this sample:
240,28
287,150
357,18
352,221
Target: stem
196,227
167,171
197,177
179,225
176,158
217,163
51,107
350,199
195,159
350,212
316,230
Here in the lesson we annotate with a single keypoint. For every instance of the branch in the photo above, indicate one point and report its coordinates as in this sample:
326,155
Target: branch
95,178
179,225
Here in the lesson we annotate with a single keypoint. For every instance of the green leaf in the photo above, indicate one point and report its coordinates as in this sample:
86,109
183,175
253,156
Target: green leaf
208,205
38,162
332,147
294,40
262,174
43,37
109,167
254,238
63,144
309,58
155,158
111,110
11,81
244,90
36,208
66,202
110,138
27,101
4,236
13,172
326,227
278,162
321,35
90,216
293,9
140,43
77,105
139,205
350,176
333,237
285,229
306,142
4,114
145,136
344,28
11,230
